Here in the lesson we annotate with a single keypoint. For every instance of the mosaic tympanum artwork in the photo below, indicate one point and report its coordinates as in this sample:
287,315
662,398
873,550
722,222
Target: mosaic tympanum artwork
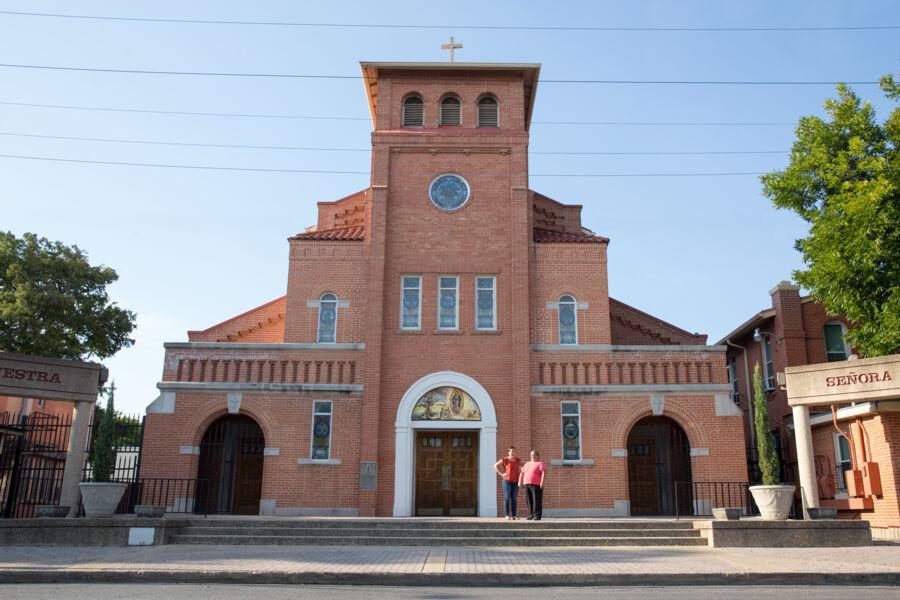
446,404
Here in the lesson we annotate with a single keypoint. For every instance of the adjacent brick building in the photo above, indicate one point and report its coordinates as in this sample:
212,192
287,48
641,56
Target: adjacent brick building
436,317
797,331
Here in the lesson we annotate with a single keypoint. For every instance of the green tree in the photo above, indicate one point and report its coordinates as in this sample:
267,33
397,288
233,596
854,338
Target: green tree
54,303
103,452
844,179
769,466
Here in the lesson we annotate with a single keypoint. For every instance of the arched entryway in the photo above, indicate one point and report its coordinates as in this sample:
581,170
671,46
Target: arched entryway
445,448
231,461
659,455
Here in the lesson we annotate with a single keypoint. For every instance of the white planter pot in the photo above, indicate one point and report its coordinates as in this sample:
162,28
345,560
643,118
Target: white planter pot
774,501
101,499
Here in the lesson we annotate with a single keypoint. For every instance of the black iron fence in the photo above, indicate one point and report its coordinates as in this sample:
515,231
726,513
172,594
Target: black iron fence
33,457
180,496
699,498
128,437
32,460
787,470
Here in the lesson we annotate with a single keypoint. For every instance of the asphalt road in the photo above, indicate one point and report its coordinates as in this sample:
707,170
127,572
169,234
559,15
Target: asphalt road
297,592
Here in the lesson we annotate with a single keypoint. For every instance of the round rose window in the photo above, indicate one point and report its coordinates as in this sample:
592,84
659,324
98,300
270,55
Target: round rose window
449,192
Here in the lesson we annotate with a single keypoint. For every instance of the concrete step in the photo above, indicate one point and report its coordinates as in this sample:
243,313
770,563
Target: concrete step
425,525
253,540
462,531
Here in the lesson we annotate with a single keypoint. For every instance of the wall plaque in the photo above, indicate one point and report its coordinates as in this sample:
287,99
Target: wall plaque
368,476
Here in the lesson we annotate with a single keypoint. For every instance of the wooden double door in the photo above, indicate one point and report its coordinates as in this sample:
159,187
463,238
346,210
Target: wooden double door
446,473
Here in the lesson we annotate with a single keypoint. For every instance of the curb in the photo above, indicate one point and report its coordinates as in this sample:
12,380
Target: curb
33,576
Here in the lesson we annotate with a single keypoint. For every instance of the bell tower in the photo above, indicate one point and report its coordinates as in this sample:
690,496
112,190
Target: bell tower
450,208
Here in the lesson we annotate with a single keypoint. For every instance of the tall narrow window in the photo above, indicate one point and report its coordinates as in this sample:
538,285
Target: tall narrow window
327,319
488,112
450,111
568,320
413,112
842,460
571,430
768,364
448,302
411,305
835,347
321,430
733,381
485,303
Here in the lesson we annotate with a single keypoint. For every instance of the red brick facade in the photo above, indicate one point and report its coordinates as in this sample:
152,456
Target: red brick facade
270,365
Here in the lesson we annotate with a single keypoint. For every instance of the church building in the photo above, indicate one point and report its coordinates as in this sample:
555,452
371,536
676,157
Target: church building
433,319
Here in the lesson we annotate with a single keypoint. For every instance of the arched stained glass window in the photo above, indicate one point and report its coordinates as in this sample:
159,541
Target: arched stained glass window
568,320
327,319
446,404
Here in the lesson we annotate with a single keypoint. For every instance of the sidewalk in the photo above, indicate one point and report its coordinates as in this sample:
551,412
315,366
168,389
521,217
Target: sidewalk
461,566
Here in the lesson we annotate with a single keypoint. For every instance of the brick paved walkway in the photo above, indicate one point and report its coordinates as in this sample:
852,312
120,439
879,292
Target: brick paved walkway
451,560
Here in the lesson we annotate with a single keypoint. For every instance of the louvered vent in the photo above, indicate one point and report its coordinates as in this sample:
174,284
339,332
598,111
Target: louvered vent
488,113
413,112
450,111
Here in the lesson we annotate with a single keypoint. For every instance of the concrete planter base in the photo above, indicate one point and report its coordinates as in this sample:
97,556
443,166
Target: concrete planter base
758,533
727,514
773,501
43,511
101,499
148,510
823,512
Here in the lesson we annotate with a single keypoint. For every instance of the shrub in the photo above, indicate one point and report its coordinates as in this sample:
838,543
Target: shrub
768,458
104,453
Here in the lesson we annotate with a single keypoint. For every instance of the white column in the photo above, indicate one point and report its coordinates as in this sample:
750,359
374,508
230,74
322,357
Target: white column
70,494
809,491
403,465
487,478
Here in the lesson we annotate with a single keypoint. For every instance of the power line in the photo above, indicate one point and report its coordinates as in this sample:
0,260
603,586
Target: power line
428,26
325,118
324,149
359,77
191,144
670,123
181,112
667,153
337,172
198,73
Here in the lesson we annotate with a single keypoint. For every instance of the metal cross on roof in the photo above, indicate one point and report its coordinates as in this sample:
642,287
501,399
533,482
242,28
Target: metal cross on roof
451,47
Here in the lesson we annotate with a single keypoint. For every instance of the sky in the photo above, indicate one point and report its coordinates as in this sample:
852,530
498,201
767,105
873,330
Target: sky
194,247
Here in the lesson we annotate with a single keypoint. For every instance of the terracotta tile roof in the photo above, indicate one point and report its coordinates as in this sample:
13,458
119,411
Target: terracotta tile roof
545,236
344,234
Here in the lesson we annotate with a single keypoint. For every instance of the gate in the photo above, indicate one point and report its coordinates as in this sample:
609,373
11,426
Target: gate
33,458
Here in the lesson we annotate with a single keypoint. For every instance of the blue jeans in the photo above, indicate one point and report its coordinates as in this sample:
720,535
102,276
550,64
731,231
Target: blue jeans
510,493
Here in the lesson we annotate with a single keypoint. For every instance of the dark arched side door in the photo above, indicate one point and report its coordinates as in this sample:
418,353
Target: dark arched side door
231,460
659,455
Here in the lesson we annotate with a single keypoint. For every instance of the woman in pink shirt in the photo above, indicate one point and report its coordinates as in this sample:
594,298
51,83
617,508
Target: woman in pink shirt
533,475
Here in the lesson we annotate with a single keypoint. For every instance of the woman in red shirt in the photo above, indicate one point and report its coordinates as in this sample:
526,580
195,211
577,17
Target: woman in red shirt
511,465
533,474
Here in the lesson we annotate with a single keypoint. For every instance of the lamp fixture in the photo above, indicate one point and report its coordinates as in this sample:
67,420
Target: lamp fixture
758,336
